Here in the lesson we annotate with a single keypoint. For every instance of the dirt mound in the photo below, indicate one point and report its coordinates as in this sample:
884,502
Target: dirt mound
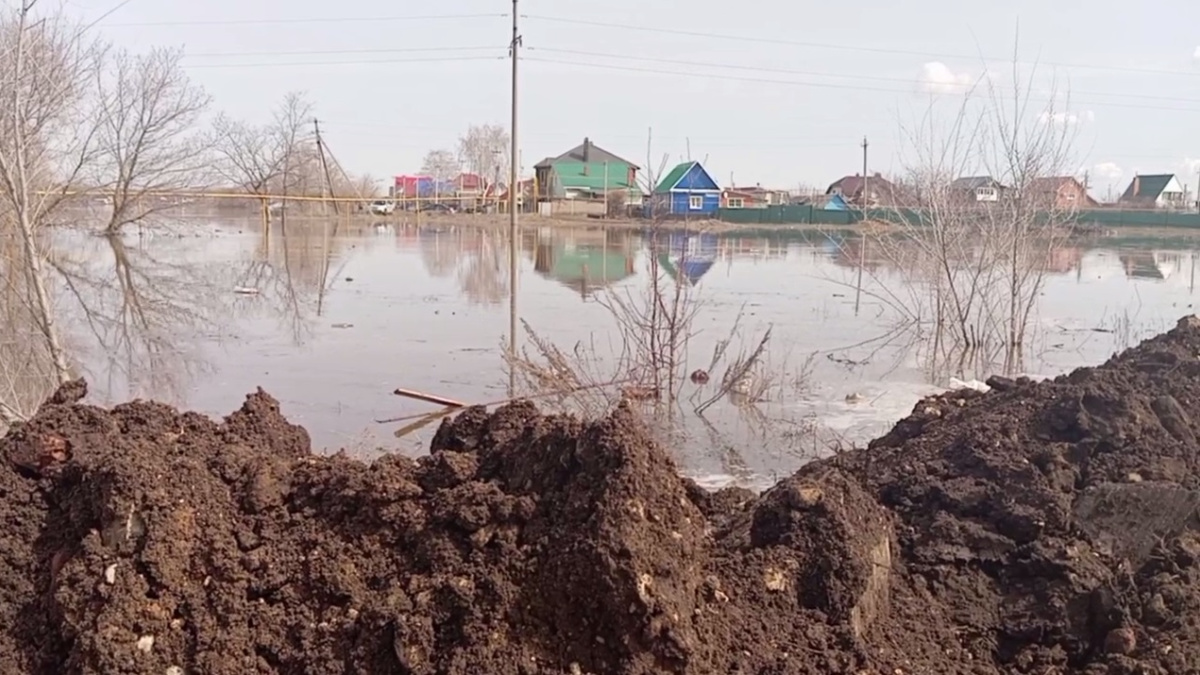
1040,528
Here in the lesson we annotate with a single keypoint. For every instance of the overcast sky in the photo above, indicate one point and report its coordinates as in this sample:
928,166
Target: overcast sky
777,93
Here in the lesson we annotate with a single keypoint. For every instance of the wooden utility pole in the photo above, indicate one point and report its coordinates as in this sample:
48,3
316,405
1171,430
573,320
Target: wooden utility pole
862,239
513,201
328,181
865,193
1198,191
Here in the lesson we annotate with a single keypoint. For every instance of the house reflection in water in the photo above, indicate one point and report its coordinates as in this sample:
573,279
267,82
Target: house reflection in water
584,261
688,256
1150,264
1065,259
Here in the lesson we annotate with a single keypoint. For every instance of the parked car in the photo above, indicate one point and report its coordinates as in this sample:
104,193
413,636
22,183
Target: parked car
382,207
438,208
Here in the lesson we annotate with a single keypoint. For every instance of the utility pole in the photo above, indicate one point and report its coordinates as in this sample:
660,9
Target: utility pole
865,193
862,243
513,187
328,182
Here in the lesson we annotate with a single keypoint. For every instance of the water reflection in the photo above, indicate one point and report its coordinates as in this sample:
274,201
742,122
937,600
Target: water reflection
136,308
345,312
586,261
291,270
475,257
27,374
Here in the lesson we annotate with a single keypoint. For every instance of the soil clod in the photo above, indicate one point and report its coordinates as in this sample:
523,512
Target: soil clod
1047,527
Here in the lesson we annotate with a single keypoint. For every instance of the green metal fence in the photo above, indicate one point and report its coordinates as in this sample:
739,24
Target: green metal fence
808,215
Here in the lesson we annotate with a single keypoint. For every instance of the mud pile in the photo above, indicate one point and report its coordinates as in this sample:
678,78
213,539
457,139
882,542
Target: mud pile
1040,528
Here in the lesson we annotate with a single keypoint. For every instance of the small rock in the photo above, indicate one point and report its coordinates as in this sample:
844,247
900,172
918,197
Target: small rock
174,670
110,574
774,580
1001,383
145,643
1120,641
1135,477
1155,611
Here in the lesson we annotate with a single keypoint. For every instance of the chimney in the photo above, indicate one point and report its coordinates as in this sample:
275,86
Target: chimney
1137,186
587,149
877,175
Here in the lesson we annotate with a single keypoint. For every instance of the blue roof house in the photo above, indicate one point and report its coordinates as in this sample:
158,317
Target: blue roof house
836,202
688,190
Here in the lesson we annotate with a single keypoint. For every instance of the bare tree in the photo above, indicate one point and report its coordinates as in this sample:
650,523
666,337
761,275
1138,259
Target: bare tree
364,185
484,151
147,140
440,164
977,250
273,156
292,127
46,139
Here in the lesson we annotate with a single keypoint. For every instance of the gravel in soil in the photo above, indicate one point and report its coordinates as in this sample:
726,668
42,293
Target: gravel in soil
1040,528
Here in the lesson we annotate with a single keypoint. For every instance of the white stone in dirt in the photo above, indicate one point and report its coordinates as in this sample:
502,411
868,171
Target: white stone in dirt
145,643
174,670
110,574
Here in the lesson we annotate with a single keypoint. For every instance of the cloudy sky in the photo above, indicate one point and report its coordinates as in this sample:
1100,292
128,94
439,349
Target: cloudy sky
771,92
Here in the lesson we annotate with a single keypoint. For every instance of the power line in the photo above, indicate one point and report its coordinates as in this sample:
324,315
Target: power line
344,63
824,85
787,71
325,20
330,52
107,14
826,45
405,132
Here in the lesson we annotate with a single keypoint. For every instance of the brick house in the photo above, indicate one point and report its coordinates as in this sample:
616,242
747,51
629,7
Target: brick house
881,191
1061,193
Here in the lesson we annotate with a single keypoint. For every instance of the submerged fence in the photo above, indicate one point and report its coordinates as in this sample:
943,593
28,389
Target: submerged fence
810,215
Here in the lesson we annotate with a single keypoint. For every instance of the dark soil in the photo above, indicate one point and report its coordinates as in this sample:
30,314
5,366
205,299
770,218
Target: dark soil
1041,528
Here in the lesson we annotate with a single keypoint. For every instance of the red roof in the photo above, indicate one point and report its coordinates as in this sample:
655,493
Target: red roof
469,181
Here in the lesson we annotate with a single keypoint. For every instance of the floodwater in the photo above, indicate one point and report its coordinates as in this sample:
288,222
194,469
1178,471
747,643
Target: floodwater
330,322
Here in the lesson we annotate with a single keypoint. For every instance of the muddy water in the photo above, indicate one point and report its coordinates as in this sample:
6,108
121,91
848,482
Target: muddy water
330,322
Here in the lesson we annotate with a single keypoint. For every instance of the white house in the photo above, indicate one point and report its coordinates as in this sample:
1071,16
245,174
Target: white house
1157,191
980,189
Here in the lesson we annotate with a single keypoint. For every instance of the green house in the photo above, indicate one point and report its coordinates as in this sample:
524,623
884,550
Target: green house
586,171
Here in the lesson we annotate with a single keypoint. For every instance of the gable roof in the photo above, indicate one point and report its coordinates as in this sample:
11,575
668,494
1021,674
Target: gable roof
853,185
974,183
1052,185
1147,187
469,181
586,152
590,176
882,190
676,176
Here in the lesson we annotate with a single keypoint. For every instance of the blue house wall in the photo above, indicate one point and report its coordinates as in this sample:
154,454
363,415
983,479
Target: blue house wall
681,202
696,182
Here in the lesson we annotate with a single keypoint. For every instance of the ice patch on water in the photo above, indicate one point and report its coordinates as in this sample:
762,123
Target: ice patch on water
718,481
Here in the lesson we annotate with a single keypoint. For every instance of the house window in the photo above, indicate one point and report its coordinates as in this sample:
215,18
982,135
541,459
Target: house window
986,193
696,202
736,202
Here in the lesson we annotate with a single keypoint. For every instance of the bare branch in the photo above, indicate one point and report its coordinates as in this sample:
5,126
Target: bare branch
147,138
